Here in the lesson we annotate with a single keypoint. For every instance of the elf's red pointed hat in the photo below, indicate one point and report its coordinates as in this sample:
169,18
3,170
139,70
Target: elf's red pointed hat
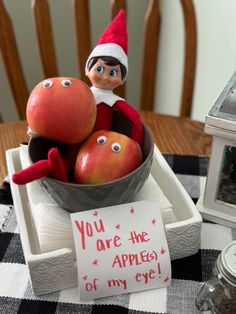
114,41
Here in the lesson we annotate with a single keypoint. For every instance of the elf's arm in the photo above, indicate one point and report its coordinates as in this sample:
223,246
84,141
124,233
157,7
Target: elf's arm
134,117
54,166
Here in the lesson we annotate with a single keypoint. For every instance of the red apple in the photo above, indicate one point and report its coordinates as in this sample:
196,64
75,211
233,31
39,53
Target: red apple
105,156
61,109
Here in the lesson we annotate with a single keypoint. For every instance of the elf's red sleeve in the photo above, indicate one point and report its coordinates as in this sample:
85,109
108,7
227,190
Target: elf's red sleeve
54,165
104,117
34,172
134,117
57,166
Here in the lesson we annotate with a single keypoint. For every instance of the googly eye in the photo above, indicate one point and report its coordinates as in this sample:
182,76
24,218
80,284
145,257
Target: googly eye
66,83
100,69
101,139
113,73
116,147
47,83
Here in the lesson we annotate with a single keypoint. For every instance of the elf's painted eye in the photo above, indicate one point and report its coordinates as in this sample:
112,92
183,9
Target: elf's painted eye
66,83
113,73
100,70
101,139
47,83
116,147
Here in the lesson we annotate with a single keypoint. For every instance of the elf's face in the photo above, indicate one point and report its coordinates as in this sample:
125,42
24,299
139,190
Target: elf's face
105,76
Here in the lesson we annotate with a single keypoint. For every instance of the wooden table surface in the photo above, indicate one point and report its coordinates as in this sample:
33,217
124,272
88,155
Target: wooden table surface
173,135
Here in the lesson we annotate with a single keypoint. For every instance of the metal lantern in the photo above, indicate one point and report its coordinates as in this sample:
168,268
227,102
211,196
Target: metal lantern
218,204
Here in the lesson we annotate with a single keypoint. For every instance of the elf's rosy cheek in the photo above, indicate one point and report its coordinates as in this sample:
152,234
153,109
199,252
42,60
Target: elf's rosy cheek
96,77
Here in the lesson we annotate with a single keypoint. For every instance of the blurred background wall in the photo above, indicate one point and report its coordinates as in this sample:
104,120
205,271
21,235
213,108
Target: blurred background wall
216,55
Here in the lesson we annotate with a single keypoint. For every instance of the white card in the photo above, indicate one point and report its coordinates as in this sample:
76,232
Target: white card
120,249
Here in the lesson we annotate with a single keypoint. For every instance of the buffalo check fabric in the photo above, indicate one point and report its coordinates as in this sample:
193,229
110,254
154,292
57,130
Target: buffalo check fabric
16,295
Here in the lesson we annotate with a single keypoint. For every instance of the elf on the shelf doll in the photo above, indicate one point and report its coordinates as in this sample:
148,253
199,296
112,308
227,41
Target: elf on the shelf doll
107,68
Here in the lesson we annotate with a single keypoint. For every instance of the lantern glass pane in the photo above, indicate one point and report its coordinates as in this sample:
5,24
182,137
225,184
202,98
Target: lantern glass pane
227,182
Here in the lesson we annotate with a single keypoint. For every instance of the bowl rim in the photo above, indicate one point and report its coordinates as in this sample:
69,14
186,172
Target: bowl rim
108,183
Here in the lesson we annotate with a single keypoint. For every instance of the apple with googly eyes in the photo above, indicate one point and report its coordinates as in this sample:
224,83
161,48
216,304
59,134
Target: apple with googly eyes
106,156
61,109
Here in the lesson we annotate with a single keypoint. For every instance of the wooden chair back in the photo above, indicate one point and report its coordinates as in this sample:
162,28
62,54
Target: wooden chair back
152,23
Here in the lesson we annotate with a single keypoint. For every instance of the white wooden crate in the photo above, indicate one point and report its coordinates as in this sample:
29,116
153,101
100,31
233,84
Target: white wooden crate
56,270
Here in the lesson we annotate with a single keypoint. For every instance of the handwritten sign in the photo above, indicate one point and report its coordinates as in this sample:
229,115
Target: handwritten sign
120,249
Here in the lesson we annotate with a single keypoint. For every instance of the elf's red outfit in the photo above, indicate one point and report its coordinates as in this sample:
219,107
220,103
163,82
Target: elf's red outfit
107,103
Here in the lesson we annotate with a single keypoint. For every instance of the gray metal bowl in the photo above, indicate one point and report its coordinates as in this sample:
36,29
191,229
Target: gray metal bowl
78,197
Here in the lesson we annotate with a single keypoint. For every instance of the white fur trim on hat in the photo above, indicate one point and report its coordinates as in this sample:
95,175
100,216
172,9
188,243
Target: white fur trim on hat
112,50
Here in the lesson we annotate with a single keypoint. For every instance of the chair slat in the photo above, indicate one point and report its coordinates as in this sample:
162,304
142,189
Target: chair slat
116,6
190,57
8,48
149,57
41,12
83,36
43,25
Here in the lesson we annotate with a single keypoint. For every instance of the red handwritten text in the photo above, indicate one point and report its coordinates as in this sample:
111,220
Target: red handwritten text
138,237
124,260
87,229
91,286
149,275
117,283
103,245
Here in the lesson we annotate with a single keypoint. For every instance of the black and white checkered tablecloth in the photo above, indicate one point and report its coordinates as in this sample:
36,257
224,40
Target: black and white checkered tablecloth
16,295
